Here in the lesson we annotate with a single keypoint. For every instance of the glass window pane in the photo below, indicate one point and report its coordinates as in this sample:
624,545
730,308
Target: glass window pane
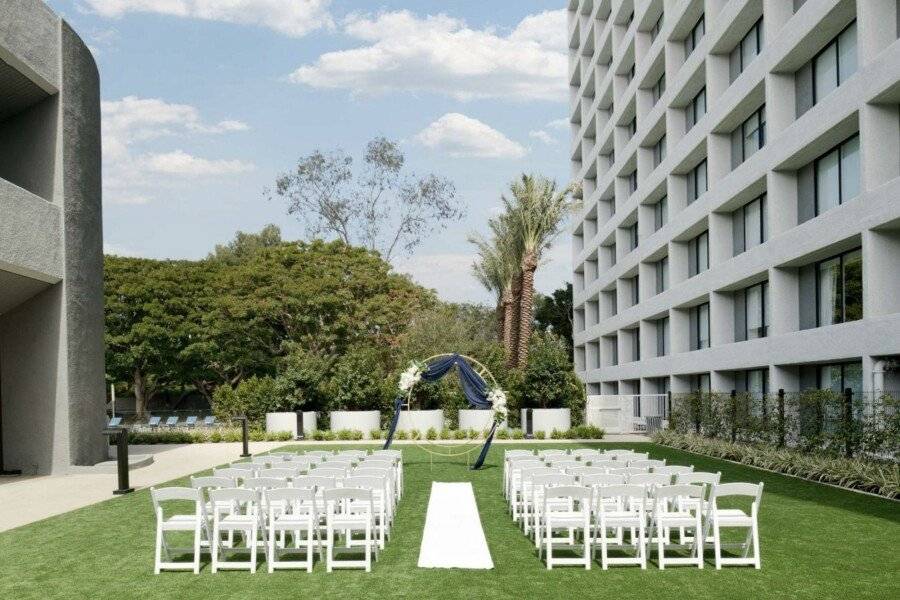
825,68
702,252
754,305
752,224
850,169
701,179
756,382
827,182
830,377
703,323
852,286
847,53
828,298
853,377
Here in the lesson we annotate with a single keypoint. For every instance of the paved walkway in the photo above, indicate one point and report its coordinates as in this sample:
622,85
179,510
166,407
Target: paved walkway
27,499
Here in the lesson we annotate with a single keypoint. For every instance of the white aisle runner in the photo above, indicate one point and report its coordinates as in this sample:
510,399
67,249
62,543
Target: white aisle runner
453,537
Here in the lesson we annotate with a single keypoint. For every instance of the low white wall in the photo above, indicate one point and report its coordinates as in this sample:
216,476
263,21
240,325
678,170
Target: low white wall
420,420
548,419
360,420
287,421
479,420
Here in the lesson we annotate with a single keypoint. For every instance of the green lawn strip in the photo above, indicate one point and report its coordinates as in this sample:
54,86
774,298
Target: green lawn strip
817,542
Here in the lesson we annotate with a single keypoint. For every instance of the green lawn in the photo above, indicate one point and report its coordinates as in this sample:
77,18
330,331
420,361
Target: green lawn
817,542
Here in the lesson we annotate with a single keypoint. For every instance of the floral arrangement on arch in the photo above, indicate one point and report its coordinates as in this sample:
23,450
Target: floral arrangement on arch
496,396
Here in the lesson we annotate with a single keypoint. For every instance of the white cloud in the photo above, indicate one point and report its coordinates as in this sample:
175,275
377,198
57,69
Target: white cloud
133,172
543,136
441,54
462,136
294,18
562,123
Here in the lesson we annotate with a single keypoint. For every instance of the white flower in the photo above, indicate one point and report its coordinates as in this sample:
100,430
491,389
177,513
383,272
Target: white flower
410,377
497,398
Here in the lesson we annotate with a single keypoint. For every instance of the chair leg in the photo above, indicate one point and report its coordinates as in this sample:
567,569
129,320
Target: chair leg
272,555
197,549
329,546
253,535
659,547
698,541
642,546
309,548
757,562
215,548
158,553
369,542
587,547
604,547
717,545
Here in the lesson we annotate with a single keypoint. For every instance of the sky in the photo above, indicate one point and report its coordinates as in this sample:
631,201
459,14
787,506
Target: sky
206,102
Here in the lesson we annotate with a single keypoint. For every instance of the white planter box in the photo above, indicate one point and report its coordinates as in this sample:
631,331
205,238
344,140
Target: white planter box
548,419
421,420
282,421
479,420
359,420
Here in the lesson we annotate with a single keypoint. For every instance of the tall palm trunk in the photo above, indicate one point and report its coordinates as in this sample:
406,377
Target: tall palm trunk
500,315
526,308
509,325
517,312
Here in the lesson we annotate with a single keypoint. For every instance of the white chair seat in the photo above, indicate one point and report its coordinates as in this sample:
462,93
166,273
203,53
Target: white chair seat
733,517
676,519
180,523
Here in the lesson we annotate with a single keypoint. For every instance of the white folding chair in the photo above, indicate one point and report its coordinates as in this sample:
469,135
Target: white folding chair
245,466
567,508
736,518
646,463
621,507
708,481
353,455
551,452
328,472
604,464
650,479
673,470
397,457
279,473
624,455
207,483
349,510
265,460
319,456
539,483
265,483
628,471
667,515
242,516
581,471
585,453
292,510
381,498
390,476
196,522
524,492
238,475
567,463
515,483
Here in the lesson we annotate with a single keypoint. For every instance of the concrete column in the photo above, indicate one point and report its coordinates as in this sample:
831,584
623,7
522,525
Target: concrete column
718,158
879,144
876,28
881,272
775,14
784,377
712,8
780,103
677,194
647,280
781,201
681,384
645,221
721,381
674,53
717,76
784,298
644,163
676,126
721,238
678,263
648,339
679,330
721,318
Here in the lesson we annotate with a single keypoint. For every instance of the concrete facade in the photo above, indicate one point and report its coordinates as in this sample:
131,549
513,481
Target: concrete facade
52,390
688,209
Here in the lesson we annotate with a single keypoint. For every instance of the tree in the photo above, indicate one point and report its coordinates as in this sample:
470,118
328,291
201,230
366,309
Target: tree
553,313
535,214
246,244
382,207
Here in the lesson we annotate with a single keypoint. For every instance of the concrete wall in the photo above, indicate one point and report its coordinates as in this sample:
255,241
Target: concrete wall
51,344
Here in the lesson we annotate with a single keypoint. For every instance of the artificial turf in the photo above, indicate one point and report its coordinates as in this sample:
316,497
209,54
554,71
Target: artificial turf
817,542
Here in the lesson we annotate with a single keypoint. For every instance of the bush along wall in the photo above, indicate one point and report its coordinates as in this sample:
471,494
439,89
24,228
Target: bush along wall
880,477
203,436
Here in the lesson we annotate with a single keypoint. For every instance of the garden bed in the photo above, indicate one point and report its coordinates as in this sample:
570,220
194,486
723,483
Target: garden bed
204,436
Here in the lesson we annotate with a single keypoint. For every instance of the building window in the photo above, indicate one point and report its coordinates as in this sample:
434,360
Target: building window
700,383
750,225
662,275
662,336
840,376
748,49
614,303
698,254
614,355
660,213
754,382
612,254
629,76
659,151
658,89
839,289
696,109
636,343
632,233
635,290
632,181
696,181
834,64
751,309
657,27
632,127
699,317
749,137
836,176
629,21
694,37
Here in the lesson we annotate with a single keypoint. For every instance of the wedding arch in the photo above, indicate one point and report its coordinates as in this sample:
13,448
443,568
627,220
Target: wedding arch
479,386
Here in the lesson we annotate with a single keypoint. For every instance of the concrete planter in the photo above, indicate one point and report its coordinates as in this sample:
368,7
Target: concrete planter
359,420
421,420
548,419
287,421
479,420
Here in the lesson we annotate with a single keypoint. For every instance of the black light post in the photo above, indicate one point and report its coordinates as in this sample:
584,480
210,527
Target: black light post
121,435
245,434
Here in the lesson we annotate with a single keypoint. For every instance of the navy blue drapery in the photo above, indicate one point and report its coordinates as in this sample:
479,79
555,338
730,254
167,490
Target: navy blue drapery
475,389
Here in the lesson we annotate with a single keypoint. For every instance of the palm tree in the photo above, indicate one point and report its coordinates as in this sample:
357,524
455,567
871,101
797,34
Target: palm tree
534,215
488,271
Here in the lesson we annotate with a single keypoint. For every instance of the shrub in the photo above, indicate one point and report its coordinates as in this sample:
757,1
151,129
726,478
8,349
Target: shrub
549,380
460,434
875,476
377,434
473,434
540,435
446,434
328,435
503,434
318,435
202,436
349,434
233,435
359,382
253,397
557,435
586,432
401,434
431,434
518,434
415,434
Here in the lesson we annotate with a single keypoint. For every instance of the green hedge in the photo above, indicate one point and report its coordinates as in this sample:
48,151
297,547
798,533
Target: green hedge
203,436
875,476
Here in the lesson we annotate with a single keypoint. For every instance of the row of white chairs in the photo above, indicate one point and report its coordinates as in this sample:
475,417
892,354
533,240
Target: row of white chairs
647,503
272,506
